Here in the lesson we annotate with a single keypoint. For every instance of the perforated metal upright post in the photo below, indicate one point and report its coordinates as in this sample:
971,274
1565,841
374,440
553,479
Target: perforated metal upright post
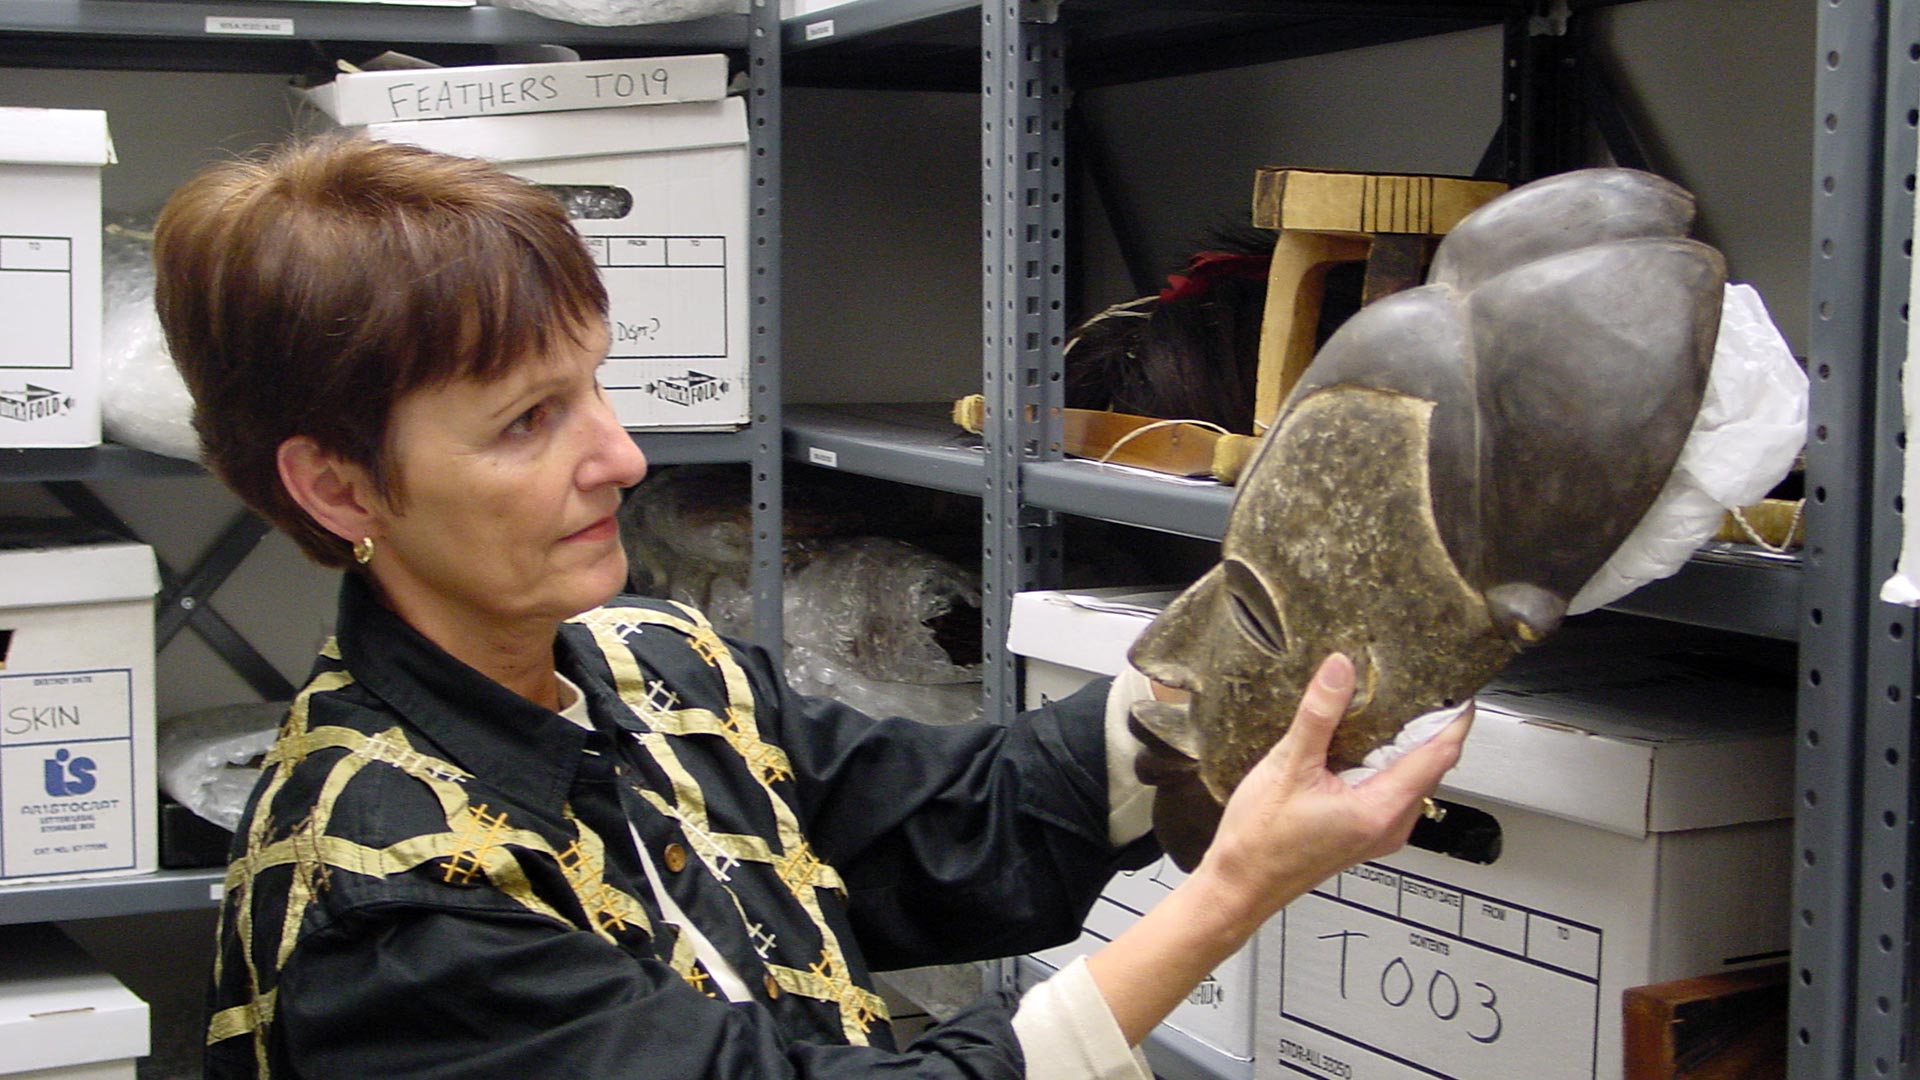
1838,568
1884,1012
763,271
1023,97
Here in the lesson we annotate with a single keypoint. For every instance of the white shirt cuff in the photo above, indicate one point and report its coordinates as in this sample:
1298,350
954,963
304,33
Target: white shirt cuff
1067,1032
1129,802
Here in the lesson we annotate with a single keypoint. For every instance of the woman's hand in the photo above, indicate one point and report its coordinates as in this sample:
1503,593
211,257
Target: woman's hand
1290,825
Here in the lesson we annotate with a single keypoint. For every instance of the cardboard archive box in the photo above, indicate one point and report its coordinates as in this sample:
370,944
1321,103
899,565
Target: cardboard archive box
660,192
1066,639
61,1016
77,780
50,161
1642,795
1640,778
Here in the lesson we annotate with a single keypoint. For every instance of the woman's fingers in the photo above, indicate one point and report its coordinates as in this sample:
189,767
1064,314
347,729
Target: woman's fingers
1415,775
1321,707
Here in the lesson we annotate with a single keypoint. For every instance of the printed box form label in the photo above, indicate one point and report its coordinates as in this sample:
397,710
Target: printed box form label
1390,975
36,302
669,301
66,772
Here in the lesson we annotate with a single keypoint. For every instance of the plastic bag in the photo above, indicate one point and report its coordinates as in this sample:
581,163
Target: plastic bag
143,401
1751,426
209,759
624,12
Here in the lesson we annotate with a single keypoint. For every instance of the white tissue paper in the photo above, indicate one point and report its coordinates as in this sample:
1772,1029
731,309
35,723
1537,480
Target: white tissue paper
1751,426
624,12
143,401
1414,735
1903,587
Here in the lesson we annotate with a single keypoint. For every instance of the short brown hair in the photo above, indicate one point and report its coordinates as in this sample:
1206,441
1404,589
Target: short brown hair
307,291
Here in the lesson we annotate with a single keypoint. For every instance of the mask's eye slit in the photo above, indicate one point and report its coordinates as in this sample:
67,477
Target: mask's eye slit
1253,610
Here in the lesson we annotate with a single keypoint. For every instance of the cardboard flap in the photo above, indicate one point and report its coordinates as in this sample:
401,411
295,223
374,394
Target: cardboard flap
46,574
587,133
55,137
430,93
1089,629
57,1007
1662,733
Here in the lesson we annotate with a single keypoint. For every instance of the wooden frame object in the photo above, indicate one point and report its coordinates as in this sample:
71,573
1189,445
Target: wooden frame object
1730,1026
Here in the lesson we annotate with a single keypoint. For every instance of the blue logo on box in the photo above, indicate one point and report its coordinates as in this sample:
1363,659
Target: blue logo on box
69,775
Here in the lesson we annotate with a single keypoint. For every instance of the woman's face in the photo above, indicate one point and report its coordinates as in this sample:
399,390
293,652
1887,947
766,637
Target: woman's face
507,492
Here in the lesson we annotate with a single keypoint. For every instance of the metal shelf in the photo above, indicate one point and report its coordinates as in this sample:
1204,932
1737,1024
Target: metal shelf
111,461
1088,489
935,44
1727,587
287,37
94,898
108,461
483,25
914,444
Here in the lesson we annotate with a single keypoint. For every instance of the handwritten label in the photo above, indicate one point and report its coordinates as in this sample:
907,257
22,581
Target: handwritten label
1445,984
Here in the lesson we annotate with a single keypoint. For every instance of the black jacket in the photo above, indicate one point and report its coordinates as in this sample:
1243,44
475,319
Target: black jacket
437,878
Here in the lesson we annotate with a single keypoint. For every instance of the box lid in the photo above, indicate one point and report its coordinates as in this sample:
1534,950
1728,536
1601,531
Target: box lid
436,93
57,1007
55,137
46,562
1617,723
595,133
1088,629
1668,732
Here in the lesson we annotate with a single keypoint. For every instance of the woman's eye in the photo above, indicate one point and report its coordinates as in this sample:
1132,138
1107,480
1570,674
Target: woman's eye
528,422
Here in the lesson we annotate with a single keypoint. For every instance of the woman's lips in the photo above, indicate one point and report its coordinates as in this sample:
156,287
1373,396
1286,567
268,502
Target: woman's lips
599,530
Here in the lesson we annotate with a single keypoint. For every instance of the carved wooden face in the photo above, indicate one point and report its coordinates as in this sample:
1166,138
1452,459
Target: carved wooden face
1332,546
1457,462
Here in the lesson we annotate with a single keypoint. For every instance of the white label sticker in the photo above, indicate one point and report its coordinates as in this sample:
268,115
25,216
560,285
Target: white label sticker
826,458
229,24
66,772
817,30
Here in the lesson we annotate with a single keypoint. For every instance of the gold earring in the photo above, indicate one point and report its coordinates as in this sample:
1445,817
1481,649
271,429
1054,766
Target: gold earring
363,550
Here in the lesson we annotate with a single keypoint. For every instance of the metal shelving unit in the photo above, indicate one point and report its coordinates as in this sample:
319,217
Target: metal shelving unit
1855,984
909,444
291,37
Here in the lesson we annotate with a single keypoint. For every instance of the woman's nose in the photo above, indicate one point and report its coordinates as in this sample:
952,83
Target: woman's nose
615,458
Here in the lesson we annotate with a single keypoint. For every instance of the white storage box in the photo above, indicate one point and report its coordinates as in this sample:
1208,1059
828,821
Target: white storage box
1643,809
77,782
1641,780
440,93
61,1017
1065,640
670,237
50,162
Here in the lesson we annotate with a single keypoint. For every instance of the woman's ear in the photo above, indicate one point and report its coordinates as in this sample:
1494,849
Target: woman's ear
336,493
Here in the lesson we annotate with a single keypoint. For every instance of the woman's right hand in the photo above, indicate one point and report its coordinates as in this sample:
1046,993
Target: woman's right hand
1290,825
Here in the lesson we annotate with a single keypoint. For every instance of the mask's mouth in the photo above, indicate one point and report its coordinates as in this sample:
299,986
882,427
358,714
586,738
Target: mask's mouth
1169,722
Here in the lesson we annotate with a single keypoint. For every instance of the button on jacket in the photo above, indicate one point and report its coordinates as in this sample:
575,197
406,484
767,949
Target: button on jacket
438,878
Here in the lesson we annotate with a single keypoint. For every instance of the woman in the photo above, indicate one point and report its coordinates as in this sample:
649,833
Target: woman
516,827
